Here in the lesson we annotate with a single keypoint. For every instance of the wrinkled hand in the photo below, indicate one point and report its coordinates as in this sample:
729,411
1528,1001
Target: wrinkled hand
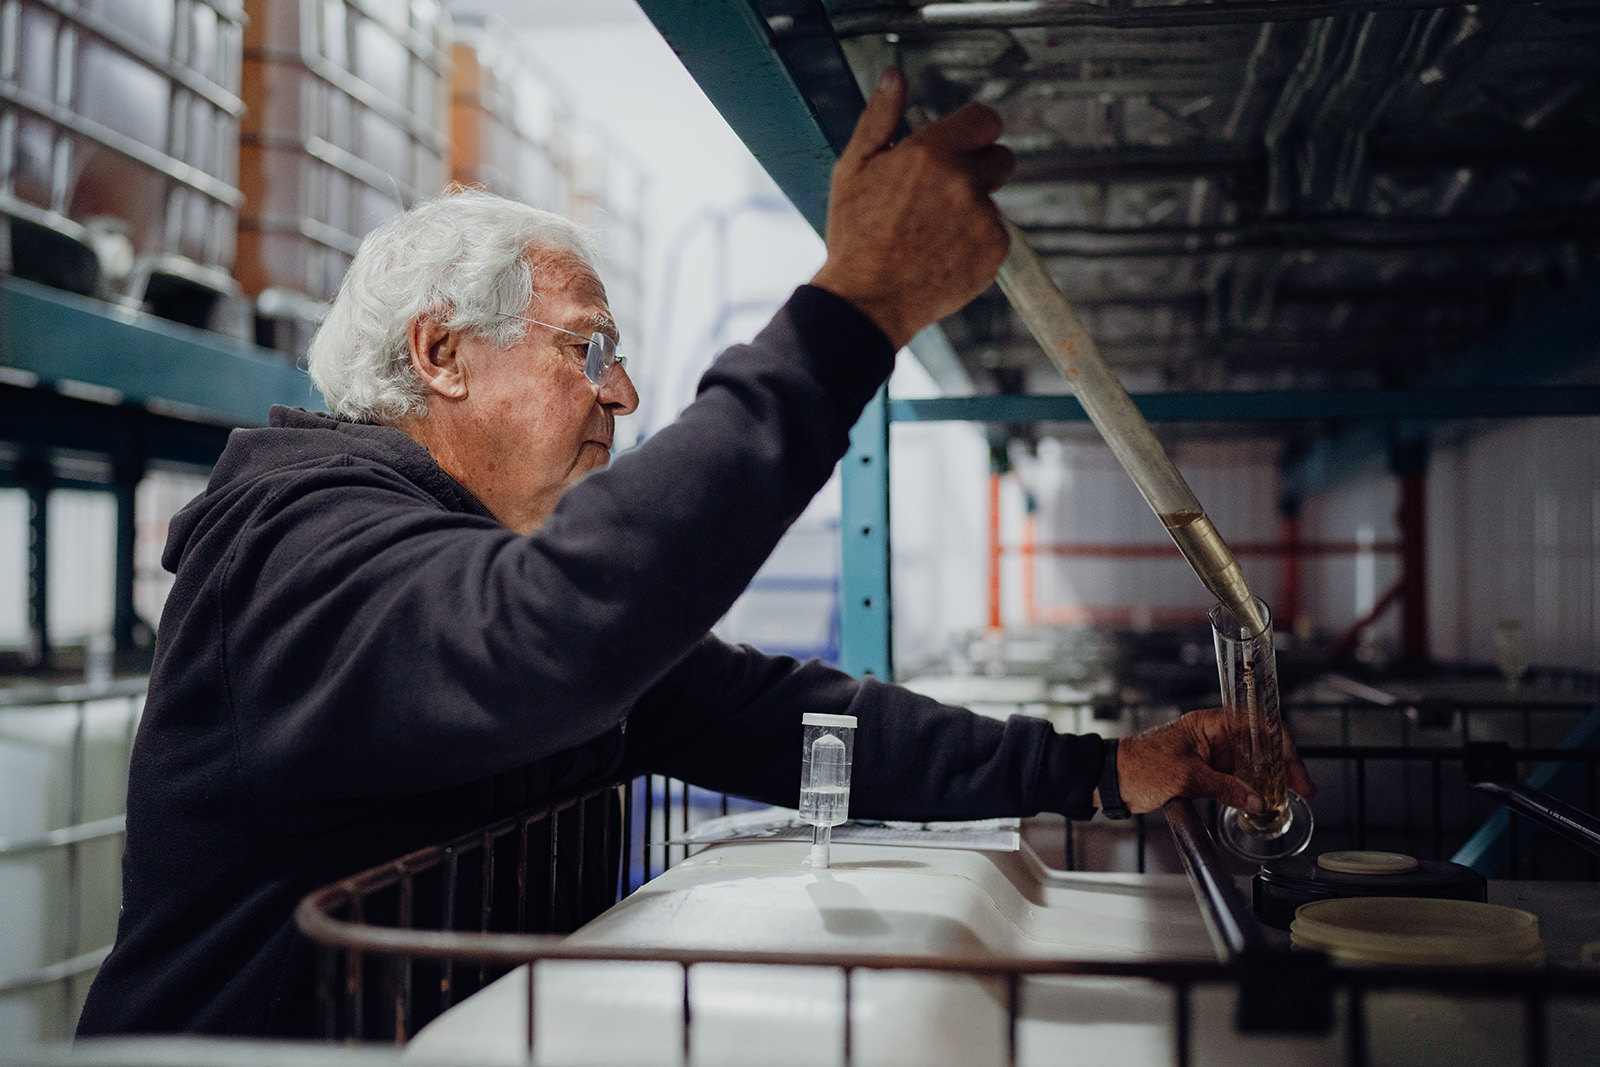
913,235
1193,757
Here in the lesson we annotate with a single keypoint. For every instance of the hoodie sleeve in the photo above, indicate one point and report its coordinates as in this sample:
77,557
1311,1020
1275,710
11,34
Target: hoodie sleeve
728,718
375,644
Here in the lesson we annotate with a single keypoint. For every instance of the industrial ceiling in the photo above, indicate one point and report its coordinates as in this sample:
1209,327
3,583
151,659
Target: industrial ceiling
1237,195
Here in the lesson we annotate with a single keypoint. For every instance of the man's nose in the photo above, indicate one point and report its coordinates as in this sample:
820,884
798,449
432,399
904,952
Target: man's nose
617,390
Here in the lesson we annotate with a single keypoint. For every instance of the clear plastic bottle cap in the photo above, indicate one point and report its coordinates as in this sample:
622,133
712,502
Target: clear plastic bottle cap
1361,862
817,718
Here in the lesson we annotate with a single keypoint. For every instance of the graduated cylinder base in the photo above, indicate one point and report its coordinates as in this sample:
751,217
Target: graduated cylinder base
1247,668
1284,832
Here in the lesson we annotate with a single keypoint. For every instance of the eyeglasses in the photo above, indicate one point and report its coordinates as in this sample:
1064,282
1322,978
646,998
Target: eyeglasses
602,349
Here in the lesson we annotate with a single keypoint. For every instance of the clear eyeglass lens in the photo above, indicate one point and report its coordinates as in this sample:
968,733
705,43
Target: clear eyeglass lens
602,355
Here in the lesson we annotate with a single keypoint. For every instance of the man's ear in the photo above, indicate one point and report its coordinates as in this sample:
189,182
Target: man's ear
436,357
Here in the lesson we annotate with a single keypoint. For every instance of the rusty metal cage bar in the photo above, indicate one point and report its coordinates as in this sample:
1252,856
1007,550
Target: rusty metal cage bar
332,918
1533,988
368,992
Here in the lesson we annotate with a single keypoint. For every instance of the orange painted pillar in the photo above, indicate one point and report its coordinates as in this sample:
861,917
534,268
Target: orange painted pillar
1030,543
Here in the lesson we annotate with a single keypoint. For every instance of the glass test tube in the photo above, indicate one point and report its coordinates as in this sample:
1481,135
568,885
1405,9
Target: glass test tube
827,746
1056,326
1247,667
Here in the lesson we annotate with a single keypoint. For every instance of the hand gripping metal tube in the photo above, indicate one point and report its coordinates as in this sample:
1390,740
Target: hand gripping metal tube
1053,322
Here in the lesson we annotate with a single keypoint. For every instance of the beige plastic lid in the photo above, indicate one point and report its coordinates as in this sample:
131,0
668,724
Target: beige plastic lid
1419,931
1367,862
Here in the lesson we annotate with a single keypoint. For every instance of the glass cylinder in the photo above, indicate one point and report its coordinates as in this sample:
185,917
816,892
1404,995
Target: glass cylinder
1248,670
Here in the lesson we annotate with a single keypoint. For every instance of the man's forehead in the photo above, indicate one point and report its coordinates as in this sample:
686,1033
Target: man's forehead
572,291
575,311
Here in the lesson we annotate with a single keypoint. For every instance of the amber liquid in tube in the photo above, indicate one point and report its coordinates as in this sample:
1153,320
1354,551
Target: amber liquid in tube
1263,766
1248,673
1213,562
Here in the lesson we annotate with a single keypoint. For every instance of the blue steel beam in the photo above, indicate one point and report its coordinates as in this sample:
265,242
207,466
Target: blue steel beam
747,67
1557,340
1270,406
69,341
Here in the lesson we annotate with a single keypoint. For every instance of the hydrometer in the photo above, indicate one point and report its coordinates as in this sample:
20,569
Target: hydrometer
1285,827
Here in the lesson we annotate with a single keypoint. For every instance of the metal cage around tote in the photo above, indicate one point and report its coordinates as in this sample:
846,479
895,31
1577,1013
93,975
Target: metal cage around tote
402,942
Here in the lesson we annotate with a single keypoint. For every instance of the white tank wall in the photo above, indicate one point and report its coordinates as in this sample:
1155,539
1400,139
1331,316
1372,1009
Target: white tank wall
13,568
61,765
83,538
82,564
82,530
938,527
1339,589
1085,497
1513,517
939,523
1514,532
161,495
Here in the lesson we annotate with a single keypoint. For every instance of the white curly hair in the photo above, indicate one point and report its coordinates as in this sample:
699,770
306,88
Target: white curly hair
467,259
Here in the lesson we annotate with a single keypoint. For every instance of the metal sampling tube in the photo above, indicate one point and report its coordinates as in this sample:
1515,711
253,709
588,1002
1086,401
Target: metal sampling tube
1056,326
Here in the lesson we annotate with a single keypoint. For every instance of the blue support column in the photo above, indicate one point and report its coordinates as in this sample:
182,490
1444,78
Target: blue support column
864,605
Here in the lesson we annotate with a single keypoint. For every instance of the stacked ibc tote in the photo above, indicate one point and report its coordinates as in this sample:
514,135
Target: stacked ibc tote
215,164
119,148
344,127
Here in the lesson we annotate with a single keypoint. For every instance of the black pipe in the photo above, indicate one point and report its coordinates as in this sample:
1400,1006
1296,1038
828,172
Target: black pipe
1233,928
1278,991
1573,824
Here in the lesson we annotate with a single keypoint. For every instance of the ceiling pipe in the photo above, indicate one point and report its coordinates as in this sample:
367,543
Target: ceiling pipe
1045,14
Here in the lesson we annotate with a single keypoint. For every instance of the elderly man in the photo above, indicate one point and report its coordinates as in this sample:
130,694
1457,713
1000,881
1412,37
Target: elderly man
444,603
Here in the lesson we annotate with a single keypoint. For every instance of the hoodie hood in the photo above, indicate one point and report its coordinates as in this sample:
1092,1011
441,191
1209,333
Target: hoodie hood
294,439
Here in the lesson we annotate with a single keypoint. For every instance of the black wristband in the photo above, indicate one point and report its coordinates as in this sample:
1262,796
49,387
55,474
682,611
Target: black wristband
1110,791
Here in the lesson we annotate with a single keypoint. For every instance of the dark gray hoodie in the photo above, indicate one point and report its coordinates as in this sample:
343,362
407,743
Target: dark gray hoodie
357,660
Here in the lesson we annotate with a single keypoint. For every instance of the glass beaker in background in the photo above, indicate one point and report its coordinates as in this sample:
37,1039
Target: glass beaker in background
1510,651
1248,670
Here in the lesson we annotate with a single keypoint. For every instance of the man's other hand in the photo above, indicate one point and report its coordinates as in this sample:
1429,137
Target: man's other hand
1193,757
912,232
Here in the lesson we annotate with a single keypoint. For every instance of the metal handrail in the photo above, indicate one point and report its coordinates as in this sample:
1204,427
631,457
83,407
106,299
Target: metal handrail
67,835
71,693
55,972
